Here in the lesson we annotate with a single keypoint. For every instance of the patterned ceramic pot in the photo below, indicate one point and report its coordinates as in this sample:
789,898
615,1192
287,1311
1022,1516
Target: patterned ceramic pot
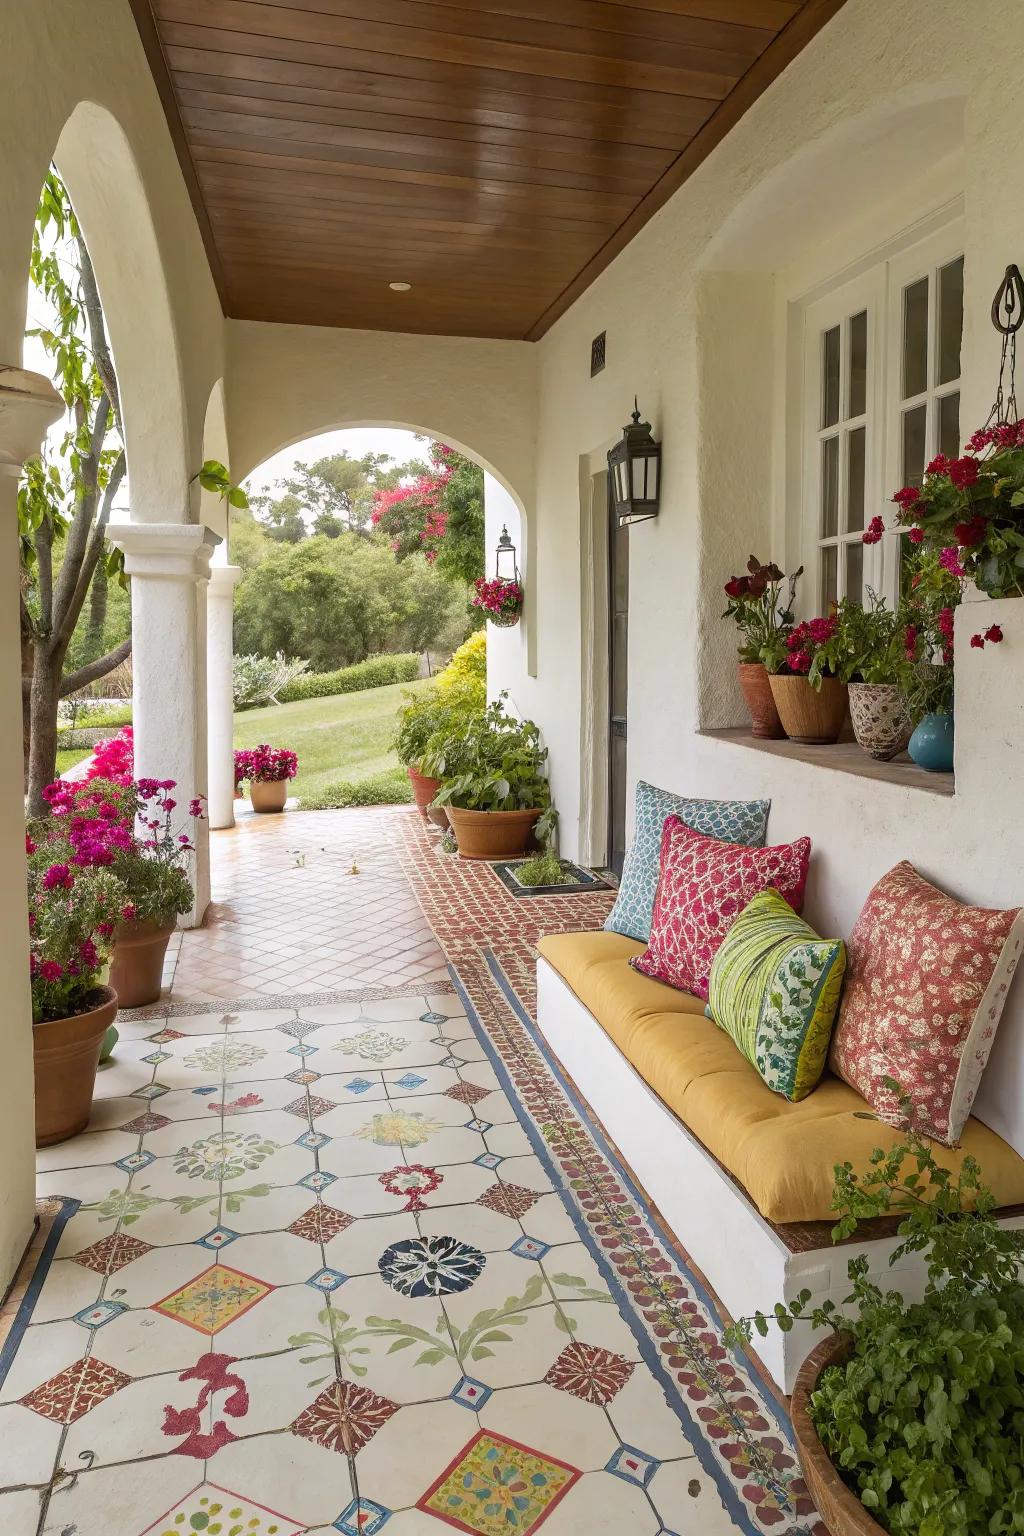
931,745
881,721
66,1053
757,695
812,715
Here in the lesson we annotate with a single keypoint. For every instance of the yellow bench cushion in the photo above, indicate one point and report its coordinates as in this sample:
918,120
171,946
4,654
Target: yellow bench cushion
783,1154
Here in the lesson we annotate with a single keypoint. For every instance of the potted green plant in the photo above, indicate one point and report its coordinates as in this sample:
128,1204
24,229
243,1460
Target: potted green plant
130,830
493,784
763,617
907,1419
933,592
72,914
268,770
871,654
433,712
810,694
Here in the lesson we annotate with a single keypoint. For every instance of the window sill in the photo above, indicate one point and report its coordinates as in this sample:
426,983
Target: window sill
844,757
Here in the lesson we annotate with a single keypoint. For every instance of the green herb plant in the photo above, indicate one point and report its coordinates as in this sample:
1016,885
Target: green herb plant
543,869
493,763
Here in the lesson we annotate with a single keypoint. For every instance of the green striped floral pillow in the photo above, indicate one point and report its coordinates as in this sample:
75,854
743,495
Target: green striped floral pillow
775,989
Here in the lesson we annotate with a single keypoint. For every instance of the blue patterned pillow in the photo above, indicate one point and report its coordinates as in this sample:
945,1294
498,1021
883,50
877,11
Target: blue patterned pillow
731,821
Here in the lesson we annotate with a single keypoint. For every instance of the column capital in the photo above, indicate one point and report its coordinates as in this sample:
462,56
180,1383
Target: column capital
171,551
28,405
223,580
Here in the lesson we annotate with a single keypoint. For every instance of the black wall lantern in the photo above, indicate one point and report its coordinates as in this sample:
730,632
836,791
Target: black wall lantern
505,566
634,465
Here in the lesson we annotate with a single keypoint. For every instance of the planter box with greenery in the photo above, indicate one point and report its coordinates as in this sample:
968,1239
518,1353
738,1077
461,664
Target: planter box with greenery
908,1419
493,785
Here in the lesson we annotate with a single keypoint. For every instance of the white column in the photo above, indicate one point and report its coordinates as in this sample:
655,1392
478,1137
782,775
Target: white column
28,405
220,596
169,566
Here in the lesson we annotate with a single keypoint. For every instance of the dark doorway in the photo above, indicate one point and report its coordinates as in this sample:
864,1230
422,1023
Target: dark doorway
618,654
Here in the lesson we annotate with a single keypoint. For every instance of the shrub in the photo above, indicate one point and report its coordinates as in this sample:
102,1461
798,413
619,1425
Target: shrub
375,672
388,788
261,679
543,869
468,665
434,713
113,759
493,763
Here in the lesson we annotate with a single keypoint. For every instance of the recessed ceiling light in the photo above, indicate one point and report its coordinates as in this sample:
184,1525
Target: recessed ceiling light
399,287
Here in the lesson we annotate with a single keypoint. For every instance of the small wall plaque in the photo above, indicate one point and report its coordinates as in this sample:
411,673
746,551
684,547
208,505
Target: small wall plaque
597,354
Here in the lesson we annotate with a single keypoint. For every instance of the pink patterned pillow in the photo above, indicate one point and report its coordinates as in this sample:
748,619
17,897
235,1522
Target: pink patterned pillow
926,980
702,889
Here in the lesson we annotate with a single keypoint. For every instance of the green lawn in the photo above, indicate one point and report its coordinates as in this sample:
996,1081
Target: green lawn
347,736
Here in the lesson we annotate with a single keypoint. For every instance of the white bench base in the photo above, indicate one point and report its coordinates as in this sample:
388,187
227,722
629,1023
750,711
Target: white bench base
745,1260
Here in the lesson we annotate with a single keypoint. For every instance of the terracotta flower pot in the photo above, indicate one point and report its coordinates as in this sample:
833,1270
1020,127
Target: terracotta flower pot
492,834
839,1507
423,789
757,695
138,962
808,714
881,721
66,1053
268,797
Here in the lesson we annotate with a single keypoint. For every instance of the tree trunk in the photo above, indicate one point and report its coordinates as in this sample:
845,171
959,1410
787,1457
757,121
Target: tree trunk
42,762
97,625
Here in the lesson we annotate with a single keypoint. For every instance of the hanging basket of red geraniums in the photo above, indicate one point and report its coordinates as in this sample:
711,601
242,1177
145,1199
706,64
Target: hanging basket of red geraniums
500,599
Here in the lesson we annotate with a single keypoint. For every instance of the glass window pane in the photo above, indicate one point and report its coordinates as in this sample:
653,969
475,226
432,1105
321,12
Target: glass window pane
830,378
854,557
915,338
829,487
949,425
829,591
855,479
858,364
914,425
950,321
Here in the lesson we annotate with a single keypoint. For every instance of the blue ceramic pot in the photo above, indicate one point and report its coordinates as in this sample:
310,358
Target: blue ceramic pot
931,745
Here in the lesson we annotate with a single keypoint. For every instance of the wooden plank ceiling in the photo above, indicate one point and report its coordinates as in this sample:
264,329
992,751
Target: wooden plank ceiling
494,154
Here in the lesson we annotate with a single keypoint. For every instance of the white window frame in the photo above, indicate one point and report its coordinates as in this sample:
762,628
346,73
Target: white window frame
878,289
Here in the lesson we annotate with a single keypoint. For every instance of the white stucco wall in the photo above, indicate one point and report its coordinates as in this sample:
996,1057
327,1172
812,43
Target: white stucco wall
898,109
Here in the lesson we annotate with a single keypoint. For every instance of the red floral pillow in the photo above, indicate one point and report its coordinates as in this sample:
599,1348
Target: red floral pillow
703,887
926,980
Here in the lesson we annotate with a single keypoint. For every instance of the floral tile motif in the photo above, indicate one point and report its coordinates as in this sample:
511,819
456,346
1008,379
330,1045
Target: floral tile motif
310,1107
204,1433
399,1128
344,1418
224,1056
320,1223
509,1199
497,1487
467,1093
592,1374
209,1508
217,1297
76,1389
111,1253
371,1045
303,1076
411,1181
143,1123
225,1155
431,1266
362,1518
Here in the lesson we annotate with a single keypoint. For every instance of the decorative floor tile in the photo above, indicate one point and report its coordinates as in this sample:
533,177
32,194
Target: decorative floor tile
431,1266
297,1028
219,1237
212,1509
320,1223
155,1057
478,1125
529,1248
135,1161
362,1518
101,1313
303,1076
489,1160
497,1486
344,1418
509,1199
143,1123
358,1085
469,1393
452,1061
217,1297
311,1107
412,1181
312,1140
150,1091
592,1374
112,1253
467,1093
411,1080
164,1036
327,1280
633,1466
73,1391
302,1050
317,1181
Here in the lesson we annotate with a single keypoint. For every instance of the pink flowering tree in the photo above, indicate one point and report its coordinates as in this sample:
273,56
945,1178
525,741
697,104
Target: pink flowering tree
439,514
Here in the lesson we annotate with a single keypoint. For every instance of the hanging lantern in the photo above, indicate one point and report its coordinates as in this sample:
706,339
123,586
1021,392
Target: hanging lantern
634,467
505,566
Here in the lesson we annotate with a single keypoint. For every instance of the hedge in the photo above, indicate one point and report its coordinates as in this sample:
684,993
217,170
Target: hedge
389,788
375,672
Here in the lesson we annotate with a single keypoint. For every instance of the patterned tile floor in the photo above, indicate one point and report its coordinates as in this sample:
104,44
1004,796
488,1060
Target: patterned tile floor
346,1262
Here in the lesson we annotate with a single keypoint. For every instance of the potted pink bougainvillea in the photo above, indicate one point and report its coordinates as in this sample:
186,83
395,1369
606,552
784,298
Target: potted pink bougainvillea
500,599
267,770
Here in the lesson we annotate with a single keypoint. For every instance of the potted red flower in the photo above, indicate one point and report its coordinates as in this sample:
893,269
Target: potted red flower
72,911
500,599
809,692
267,770
763,617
